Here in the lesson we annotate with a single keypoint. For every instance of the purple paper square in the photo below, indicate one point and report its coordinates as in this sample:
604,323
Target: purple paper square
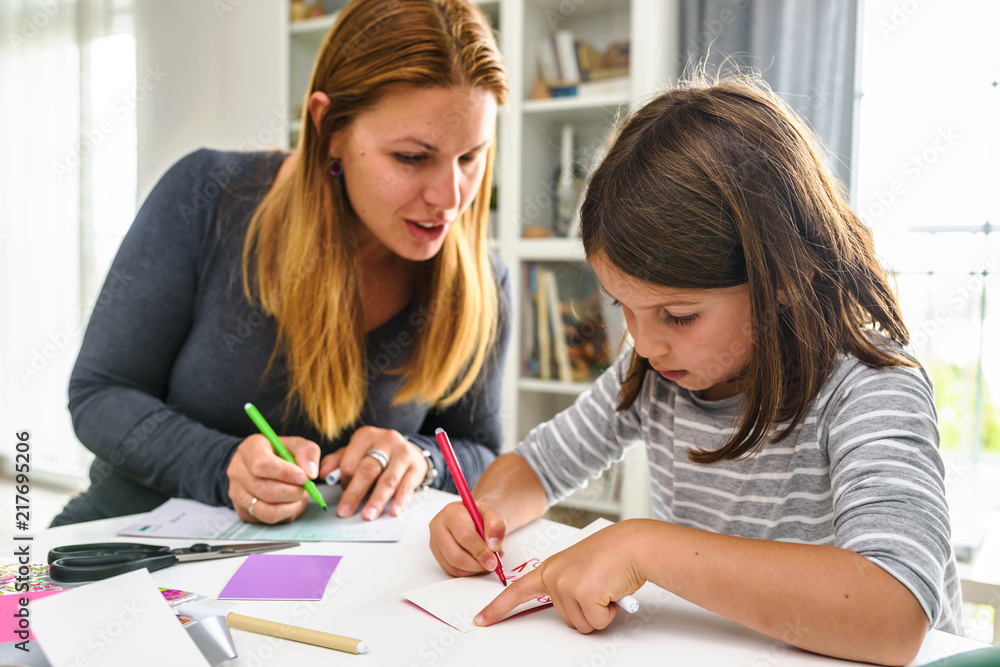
281,577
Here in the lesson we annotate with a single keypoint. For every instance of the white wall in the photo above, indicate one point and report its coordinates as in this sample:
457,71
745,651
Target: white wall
215,75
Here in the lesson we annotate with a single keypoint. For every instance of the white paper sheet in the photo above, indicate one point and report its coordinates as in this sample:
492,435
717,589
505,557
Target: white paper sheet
182,518
457,601
118,622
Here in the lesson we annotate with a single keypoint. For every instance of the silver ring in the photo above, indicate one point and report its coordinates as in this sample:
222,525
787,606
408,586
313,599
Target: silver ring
250,507
380,456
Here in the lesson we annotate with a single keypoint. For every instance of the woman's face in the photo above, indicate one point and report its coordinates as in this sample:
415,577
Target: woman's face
700,339
413,163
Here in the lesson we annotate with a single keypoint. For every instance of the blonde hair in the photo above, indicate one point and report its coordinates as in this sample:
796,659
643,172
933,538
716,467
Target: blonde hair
300,255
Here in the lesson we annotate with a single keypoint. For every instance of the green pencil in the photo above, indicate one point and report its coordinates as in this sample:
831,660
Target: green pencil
280,450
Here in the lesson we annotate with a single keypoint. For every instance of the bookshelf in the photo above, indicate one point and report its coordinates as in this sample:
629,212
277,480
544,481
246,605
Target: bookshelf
529,165
304,39
528,161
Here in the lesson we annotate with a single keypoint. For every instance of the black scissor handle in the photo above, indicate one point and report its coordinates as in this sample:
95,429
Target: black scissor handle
104,549
79,568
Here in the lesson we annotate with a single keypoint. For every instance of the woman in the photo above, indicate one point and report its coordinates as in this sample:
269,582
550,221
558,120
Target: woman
346,290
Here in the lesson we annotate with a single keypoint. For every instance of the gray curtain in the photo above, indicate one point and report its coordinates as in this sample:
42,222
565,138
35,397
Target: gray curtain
805,49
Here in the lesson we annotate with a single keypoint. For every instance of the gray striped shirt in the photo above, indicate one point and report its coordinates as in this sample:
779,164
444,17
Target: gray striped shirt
861,472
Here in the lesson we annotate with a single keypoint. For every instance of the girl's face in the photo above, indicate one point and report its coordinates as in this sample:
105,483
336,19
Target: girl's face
699,339
413,163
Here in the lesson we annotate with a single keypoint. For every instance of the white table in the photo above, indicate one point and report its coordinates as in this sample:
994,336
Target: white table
364,601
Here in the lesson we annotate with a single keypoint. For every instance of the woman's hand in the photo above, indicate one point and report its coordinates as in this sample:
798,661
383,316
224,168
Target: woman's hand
583,581
358,472
255,471
456,544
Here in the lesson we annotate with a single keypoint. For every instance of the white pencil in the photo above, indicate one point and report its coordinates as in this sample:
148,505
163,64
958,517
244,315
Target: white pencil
628,603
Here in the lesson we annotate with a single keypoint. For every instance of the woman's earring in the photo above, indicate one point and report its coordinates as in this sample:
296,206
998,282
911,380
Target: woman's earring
336,169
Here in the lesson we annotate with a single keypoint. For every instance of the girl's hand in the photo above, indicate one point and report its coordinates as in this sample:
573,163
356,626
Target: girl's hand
456,544
359,472
583,581
255,471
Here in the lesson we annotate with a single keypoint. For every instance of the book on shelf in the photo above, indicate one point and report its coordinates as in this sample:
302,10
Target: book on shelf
617,87
544,338
587,57
548,66
569,187
560,349
529,342
557,63
563,335
569,67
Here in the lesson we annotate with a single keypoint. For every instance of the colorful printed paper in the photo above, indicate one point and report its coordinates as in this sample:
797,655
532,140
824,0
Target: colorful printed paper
175,597
10,608
14,576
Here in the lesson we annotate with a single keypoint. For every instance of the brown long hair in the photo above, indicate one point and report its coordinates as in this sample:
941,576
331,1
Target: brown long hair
299,258
713,185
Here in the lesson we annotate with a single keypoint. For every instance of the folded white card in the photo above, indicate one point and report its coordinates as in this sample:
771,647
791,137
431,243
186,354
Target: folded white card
457,601
118,622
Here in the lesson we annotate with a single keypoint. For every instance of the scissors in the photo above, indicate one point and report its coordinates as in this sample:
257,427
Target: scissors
90,562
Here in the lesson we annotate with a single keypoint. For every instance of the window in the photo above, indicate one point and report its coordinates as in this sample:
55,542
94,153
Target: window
67,181
928,184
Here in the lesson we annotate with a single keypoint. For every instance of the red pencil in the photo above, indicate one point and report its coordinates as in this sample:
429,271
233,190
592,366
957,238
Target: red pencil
463,490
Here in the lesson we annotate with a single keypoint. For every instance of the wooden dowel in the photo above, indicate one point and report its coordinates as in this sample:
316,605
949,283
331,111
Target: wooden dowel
295,633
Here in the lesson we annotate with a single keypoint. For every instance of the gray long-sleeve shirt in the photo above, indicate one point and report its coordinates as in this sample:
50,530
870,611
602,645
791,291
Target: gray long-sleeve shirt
862,471
173,350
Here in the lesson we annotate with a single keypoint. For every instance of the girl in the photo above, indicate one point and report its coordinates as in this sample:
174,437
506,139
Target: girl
368,298
792,443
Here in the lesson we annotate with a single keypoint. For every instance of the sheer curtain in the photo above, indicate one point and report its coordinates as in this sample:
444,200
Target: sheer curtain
805,49
67,183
